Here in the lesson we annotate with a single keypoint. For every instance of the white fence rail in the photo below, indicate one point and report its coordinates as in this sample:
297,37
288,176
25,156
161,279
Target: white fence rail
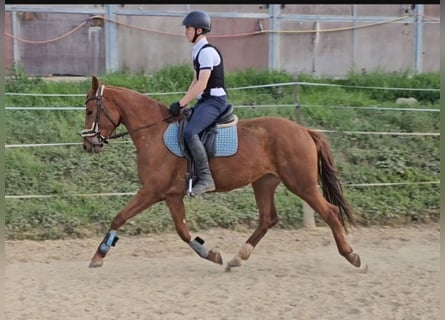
308,213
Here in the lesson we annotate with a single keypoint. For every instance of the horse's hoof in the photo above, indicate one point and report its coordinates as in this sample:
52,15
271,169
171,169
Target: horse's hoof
215,257
354,259
235,262
96,263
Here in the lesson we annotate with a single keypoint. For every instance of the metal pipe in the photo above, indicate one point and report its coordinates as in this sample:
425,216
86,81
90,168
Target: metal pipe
111,39
274,43
315,41
52,9
15,44
354,36
418,41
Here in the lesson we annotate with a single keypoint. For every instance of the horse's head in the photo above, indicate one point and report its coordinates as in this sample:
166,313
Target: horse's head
100,121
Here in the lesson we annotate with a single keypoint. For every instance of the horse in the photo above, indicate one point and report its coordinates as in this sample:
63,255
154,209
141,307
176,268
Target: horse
271,150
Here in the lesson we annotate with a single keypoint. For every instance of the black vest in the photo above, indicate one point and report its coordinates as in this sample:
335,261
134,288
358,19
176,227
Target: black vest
216,79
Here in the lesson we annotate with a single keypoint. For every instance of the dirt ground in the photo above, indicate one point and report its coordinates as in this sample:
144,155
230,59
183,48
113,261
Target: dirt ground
290,275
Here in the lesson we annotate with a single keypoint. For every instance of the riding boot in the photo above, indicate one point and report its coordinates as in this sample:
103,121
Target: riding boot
205,181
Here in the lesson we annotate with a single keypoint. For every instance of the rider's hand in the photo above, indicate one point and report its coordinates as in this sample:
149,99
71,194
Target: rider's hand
175,108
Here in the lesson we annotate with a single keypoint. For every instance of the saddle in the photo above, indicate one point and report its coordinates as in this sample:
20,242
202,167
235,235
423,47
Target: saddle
208,138
208,135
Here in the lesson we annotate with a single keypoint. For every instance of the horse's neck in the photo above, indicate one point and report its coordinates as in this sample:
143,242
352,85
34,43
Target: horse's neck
141,115
137,110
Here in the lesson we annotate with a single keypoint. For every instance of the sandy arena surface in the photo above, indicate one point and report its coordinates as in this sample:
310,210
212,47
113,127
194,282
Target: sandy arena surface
290,275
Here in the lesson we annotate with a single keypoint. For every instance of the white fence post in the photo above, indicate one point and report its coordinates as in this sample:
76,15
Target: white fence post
308,216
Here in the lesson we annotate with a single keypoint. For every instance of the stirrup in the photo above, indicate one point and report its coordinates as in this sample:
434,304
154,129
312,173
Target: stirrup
207,188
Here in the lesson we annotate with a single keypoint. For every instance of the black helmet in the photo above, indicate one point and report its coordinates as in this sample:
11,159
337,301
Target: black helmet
198,19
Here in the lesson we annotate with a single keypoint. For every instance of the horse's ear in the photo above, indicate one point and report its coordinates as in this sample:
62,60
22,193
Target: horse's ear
94,83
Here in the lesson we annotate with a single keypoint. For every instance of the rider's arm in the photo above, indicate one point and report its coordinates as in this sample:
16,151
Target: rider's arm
196,88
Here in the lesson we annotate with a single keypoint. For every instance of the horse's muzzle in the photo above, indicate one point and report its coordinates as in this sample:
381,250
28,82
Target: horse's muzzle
92,145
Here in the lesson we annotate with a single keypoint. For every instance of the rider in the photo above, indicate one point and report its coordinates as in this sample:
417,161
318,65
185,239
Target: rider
208,87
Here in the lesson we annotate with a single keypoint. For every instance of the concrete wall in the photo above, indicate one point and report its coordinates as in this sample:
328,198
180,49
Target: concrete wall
159,49
149,43
79,53
9,51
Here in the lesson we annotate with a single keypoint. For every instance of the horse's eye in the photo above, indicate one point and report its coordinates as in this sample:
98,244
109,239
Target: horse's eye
89,112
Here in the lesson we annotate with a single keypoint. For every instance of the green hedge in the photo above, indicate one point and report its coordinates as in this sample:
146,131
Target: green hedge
361,158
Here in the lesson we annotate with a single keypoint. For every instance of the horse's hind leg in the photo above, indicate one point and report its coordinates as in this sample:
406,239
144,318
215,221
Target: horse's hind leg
264,189
330,215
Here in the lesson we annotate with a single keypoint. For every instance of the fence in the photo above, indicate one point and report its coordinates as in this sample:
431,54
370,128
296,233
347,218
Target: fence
308,213
295,38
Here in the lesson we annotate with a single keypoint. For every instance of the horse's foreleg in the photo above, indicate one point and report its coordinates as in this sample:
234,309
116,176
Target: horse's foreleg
264,189
140,202
177,210
109,240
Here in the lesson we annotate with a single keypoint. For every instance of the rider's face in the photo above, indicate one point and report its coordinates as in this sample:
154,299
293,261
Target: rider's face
189,33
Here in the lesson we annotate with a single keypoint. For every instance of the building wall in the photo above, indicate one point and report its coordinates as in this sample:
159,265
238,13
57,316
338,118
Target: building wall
9,58
149,43
79,53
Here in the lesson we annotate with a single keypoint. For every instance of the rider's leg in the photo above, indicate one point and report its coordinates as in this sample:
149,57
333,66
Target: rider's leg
205,181
204,114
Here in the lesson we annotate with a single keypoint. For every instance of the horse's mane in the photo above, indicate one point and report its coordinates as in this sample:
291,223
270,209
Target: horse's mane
145,99
136,93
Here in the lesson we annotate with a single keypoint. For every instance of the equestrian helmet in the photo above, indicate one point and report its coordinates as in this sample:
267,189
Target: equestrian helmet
198,19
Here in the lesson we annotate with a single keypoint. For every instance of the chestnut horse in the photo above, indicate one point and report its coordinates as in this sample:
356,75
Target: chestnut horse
271,150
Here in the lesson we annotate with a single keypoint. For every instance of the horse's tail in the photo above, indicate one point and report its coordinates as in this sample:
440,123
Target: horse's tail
329,183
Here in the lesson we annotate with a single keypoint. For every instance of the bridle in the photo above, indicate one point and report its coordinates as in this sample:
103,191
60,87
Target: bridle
94,131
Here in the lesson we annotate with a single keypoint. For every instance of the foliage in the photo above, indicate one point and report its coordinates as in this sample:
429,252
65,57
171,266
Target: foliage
63,171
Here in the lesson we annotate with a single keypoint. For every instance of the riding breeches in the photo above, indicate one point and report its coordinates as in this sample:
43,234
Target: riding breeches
204,114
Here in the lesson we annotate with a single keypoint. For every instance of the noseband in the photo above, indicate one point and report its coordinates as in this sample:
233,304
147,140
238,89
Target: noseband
95,130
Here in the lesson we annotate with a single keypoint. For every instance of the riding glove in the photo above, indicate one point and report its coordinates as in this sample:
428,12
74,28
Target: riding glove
175,108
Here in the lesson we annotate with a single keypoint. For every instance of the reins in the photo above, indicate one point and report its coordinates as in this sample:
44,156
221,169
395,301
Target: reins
122,134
